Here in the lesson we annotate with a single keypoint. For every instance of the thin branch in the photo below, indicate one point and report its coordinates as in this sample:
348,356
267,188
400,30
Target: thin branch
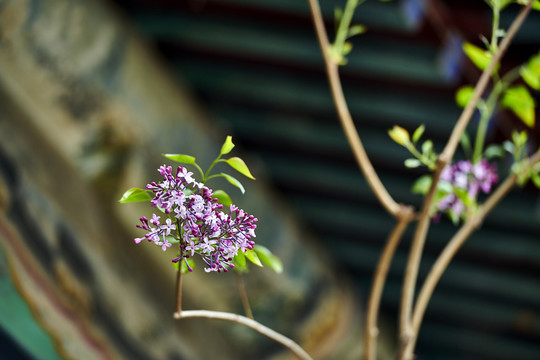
372,330
243,295
442,262
242,320
417,246
345,116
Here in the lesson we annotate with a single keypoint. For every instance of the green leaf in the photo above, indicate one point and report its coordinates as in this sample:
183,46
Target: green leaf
466,144
253,257
135,195
493,151
269,259
422,185
464,95
399,135
463,195
239,165
227,146
240,260
338,14
427,147
535,179
519,100
530,72
184,267
223,198
185,159
356,30
535,5
233,181
480,57
412,163
418,133
347,48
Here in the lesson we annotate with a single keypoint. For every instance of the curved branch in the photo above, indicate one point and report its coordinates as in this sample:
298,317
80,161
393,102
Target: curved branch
250,323
417,246
372,330
442,262
345,116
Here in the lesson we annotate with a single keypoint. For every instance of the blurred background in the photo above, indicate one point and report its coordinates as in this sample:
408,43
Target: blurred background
92,92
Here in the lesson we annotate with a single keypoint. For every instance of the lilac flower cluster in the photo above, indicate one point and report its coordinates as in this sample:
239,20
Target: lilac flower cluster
473,178
195,220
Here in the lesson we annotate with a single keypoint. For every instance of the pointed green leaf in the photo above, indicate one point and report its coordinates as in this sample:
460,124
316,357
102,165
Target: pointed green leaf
223,198
418,133
356,30
493,151
233,181
240,260
530,72
185,159
253,257
480,57
227,146
519,100
422,185
427,147
464,95
535,179
239,165
135,195
269,259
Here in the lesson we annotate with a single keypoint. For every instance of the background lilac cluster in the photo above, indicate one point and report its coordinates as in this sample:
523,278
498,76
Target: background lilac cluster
195,219
473,178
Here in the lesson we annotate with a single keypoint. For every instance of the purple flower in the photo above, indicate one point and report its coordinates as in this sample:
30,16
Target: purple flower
203,228
472,178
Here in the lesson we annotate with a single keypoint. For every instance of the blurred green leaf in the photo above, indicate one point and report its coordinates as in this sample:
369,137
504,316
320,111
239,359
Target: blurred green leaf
519,100
223,198
530,72
240,261
499,4
239,165
464,95
493,151
269,259
356,30
427,147
135,195
480,57
233,181
227,146
422,185
412,163
535,179
535,5
418,133
253,257
184,267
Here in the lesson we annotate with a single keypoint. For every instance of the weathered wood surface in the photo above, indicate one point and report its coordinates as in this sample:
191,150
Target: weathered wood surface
85,112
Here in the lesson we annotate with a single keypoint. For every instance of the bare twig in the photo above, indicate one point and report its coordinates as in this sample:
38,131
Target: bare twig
345,116
372,330
417,246
239,319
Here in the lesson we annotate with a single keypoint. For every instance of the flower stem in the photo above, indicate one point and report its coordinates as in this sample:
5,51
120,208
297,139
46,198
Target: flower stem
179,288
243,295
252,324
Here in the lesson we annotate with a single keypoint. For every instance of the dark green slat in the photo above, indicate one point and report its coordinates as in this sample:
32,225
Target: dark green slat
377,55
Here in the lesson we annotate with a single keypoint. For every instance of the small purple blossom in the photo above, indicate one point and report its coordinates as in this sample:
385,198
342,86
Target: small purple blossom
472,178
195,219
